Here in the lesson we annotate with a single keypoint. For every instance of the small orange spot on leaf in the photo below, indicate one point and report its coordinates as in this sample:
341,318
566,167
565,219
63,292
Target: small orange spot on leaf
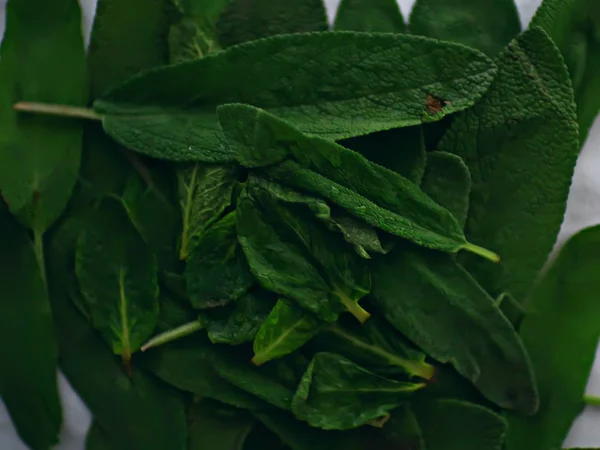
435,104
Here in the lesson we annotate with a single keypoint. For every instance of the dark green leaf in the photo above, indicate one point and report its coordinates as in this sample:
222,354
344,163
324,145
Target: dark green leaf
561,332
97,439
118,278
456,425
361,235
217,272
286,329
403,430
173,313
169,112
436,304
520,144
487,25
336,394
292,254
28,350
511,308
369,15
248,20
448,181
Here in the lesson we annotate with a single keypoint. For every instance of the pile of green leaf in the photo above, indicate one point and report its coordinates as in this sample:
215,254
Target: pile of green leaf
320,239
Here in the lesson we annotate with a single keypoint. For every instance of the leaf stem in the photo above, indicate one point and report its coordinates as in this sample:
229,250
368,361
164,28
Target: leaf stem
172,335
38,245
58,110
353,307
591,400
483,252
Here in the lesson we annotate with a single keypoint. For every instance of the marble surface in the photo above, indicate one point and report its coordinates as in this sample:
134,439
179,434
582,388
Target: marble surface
583,210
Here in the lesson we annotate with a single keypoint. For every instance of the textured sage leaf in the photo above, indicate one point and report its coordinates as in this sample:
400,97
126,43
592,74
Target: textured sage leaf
248,20
204,193
154,114
520,143
40,155
336,394
291,253
377,195
447,180
487,25
287,328
28,384
361,235
560,332
240,322
118,278
436,304
455,425
369,15
217,272
574,25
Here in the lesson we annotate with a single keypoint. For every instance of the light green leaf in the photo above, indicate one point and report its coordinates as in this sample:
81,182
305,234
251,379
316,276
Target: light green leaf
330,69
369,15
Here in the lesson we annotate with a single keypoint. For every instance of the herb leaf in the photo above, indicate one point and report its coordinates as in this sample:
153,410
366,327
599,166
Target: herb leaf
152,113
369,15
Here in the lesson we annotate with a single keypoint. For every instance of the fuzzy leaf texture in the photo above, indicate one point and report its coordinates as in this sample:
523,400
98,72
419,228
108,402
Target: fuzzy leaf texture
344,91
380,16
520,143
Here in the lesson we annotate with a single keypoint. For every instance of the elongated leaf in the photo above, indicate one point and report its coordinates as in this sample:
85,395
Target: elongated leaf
286,329
561,318
487,25
334,68
455,425
248,20
118,278
574,25
217,272
448,181
520,144
369,15
336,394
436,304
40,156
28,351
292,254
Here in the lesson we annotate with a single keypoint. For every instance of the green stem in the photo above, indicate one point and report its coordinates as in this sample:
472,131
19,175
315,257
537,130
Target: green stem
353,307
172,335
591,400
38,245
483,252
58,110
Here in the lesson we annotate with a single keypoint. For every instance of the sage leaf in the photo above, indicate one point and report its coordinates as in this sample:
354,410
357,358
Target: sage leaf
286,329
574,25
335,68
560,317
248,20
525,125
447,180
217,272
362,236
118,278
336,394
368,15
28,384
293,254
40,155
487,25
449,424
428,297
205,192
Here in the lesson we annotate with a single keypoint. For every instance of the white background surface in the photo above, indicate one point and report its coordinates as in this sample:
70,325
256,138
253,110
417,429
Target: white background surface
583,210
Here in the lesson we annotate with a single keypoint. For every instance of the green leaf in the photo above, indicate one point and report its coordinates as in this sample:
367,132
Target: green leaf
487,25
436,304
286,329
361,235
248,20
403,430
520,144
217,272
447,180
574,25
560,332
293,254
239,322
511,308
336,394
40,155
28,384
173,313
118,278
153,114
205,192
368,15
454,425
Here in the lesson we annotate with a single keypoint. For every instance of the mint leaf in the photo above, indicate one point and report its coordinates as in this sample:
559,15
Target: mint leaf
369,15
